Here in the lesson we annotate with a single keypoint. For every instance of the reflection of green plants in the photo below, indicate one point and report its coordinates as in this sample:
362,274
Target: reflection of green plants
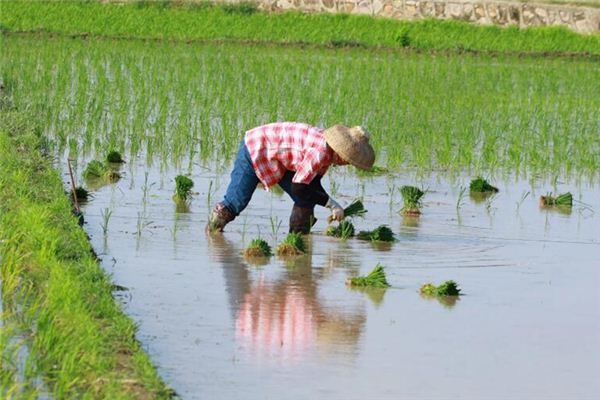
562,200
382,233
411,197
292,245
183,188
448,288
480,185
114,156
258,248
344,230
376,278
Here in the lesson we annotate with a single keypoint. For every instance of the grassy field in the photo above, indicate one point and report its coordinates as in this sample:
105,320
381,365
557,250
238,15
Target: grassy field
55,296
202,21
518,115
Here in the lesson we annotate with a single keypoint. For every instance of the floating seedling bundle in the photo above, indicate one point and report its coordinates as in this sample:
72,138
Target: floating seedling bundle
448,288
292,245
114,157
100,171
376,278
258,248
183,188
562,200
382,233
480,185
411,198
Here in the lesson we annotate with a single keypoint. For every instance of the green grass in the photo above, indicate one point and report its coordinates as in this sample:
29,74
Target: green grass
162,20
344,230
78,339
411,199
183,188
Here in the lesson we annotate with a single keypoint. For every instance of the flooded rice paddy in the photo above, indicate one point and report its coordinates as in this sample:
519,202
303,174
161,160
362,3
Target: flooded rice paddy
218,326
221,327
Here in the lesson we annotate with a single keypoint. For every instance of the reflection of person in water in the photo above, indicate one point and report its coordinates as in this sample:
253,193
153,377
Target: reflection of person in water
283,317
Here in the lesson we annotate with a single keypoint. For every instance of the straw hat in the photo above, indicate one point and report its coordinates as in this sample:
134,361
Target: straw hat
352,144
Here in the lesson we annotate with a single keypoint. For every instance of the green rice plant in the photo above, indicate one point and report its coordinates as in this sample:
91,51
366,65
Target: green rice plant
562,200
380,234
374,171
183,188
411,198
344,230
292,245
99,171
106,214
448,288
115,157
355,209
376,278
480,185
258,248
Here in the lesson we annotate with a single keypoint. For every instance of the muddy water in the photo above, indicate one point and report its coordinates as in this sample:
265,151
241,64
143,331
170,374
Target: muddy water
528,325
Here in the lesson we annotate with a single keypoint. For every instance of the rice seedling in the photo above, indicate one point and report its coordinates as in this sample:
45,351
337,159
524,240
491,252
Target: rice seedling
258,248
292,245
375,278
114,157
411,198
561,200
448,288
99,171
354,209
183,188
382,233
106,214
344,230
480,185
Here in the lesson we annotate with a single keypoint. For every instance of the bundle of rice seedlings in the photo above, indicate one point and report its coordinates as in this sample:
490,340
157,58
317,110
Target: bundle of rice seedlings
382,233
562,200
81,194
374,171
480,185
354,209
448,288
114,156
292,245
99,170
411,197
258,248
376,278
183,188
344,230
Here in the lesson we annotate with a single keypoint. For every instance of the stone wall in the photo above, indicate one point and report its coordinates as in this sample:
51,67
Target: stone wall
504,13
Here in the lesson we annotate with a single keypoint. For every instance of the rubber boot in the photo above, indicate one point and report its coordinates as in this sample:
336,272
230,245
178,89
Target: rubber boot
219,217
302,219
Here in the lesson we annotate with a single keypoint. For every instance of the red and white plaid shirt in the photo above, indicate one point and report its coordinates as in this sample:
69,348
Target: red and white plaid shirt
292,146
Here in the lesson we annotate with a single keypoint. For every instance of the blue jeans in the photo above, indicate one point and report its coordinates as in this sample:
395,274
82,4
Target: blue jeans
244,181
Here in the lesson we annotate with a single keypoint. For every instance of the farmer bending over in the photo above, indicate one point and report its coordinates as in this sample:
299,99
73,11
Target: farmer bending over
295,156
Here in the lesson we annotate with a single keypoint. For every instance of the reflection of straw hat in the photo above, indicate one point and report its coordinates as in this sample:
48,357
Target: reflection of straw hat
352,144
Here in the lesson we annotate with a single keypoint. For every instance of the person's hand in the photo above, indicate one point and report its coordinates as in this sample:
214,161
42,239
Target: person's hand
337,212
